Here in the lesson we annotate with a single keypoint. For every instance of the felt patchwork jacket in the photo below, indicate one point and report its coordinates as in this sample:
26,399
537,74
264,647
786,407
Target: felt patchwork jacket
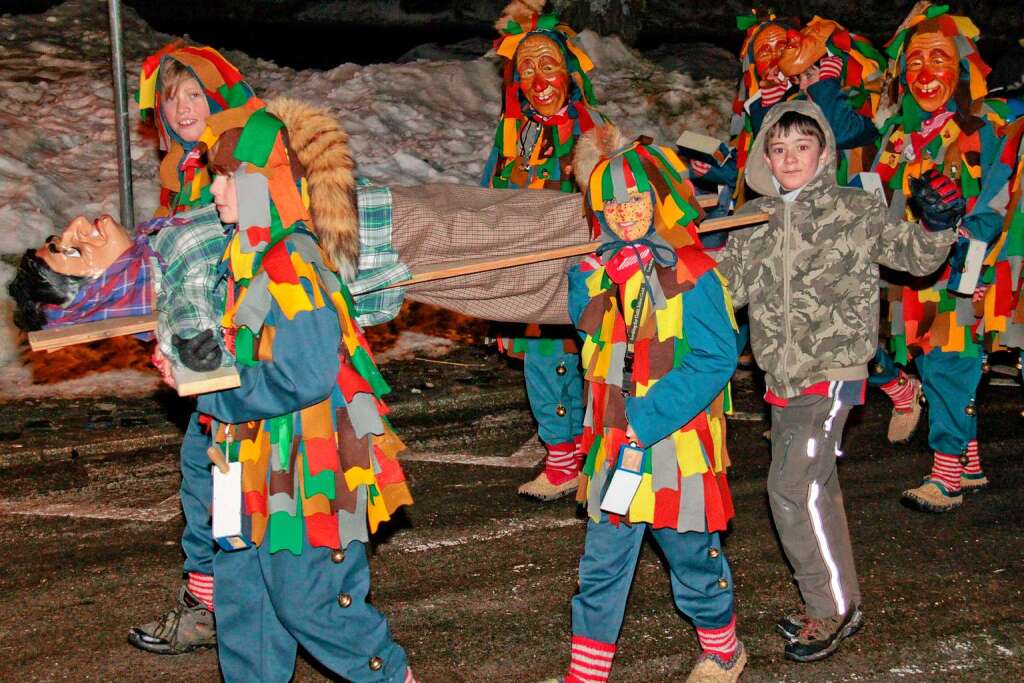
685,353
810,275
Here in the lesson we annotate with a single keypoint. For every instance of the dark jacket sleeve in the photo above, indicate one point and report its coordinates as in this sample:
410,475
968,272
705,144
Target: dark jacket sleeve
303,371
850,128
703,373
723,175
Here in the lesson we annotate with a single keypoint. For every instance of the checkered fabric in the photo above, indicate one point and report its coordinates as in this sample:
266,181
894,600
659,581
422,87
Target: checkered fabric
379,264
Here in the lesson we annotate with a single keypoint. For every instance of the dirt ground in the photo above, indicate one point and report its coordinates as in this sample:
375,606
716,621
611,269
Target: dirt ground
476,581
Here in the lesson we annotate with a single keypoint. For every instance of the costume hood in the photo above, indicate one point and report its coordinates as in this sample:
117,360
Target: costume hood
759,175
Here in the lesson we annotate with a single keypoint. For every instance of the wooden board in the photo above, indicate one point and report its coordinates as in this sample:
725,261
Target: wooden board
191,383
51,340
482,265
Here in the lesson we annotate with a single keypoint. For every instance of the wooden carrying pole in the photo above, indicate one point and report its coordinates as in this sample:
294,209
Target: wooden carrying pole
51,340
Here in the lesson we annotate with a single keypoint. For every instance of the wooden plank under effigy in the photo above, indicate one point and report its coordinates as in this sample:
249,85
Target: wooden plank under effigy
59,337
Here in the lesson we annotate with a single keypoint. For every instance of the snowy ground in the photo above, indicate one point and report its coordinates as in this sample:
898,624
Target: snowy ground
425,121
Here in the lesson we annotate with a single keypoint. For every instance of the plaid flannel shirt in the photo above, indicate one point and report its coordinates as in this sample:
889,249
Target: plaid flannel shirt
190,245
379,264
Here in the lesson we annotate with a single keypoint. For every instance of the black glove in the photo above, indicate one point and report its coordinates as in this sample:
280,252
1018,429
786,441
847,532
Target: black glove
937,200
201,353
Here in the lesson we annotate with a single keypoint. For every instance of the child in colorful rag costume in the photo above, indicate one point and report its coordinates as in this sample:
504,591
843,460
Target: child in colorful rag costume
810,279
944,123
180,87
547,105
657,374
318,457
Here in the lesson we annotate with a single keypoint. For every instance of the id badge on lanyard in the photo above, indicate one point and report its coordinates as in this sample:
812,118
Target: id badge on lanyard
625,481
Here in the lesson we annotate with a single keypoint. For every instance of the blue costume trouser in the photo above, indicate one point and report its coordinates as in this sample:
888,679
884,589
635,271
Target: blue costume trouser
554,384
196,499
950,382
269,604
882,368
696,562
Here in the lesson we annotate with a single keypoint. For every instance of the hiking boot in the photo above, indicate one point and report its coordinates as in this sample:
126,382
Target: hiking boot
711,668
932,496
186,627
972,483
789,626
541,488
903,423
819,638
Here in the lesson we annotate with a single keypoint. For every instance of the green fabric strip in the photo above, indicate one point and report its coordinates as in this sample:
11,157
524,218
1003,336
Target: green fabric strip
258,138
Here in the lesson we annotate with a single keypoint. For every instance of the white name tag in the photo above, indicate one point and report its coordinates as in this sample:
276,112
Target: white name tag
625,481
227,507
972,267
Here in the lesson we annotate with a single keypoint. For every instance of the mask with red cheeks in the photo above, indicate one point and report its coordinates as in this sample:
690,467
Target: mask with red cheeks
804,48
933,70
768,47
543,76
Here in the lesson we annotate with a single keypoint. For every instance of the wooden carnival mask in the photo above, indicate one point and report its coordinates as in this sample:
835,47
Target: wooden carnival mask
768,47
85,248
804,48
543,76
933,69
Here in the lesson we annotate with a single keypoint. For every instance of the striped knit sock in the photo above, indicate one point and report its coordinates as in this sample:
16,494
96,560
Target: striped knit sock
560,464
973,465
719,641
901,391
409,678
201,586
581,455
946,469
591,661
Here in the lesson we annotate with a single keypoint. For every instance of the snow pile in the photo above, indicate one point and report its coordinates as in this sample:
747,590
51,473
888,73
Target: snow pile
424,121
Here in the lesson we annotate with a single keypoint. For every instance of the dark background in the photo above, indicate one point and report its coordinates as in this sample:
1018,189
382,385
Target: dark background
323,34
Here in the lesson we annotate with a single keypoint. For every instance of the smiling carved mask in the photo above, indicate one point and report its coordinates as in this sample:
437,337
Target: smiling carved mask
933,70
85,248
543,76
768,47
804,48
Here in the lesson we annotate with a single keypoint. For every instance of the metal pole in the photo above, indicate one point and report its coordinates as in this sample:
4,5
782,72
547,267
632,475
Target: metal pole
124,145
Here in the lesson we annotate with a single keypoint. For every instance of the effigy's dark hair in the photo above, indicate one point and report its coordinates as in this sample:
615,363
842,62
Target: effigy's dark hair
36,284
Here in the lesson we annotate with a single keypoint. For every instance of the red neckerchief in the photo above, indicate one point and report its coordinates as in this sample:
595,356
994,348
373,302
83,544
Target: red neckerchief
625,263
929,129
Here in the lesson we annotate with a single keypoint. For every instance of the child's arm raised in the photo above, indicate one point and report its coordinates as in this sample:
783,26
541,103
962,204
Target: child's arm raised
702,374
916,248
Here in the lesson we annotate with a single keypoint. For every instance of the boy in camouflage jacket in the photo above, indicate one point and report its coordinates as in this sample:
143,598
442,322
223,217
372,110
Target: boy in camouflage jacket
810,278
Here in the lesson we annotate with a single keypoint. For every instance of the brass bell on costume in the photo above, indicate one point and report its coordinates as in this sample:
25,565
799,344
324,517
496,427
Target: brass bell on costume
338,556
723,584
970,409
560,410
713,553
345,600
560,370
877,368
376,664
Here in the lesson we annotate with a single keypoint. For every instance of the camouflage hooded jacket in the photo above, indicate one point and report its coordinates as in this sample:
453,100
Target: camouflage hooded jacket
810,275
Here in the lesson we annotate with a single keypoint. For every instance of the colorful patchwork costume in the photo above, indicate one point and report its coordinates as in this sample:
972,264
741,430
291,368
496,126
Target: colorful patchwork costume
319,465
535,151
929,323
665,375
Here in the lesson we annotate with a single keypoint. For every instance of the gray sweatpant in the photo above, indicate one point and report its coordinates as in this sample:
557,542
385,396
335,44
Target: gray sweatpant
807,505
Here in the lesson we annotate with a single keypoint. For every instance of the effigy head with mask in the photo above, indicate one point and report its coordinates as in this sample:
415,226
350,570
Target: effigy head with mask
940,68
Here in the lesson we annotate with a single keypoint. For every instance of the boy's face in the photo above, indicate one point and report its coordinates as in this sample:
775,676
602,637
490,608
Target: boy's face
85,248
794,158
187,109
630,220
225,198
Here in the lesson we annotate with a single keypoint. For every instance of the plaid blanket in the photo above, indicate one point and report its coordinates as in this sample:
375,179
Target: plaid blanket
379,264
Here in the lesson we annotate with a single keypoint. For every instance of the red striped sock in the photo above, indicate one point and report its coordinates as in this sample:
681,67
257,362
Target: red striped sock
560,464
719,641
409,678
901,391
581,455
946,469
973,465
201,586
591,661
